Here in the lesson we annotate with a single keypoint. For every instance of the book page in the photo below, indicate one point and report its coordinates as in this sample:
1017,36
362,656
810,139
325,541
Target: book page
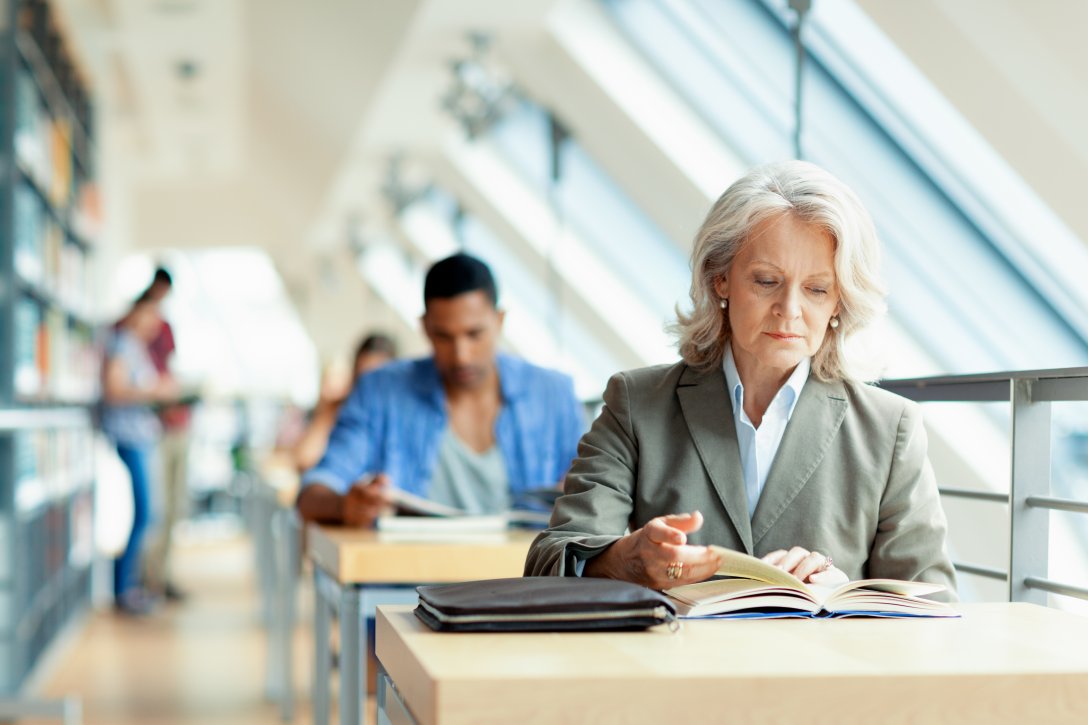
413,504
720,590
891,586
888,595
440,526
739,564
759,585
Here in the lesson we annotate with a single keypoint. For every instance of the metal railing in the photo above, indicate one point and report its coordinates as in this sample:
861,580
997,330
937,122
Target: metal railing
12,419
1030,394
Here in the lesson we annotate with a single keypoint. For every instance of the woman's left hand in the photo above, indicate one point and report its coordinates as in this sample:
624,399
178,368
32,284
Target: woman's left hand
808,566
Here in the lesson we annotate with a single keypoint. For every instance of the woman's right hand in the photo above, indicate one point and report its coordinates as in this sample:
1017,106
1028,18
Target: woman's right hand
648,555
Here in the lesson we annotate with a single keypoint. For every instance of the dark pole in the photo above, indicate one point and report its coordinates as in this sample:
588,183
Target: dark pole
801,7
556,138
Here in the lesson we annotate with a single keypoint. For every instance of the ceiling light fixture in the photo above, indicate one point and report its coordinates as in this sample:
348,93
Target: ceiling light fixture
187,69
481,92
399,192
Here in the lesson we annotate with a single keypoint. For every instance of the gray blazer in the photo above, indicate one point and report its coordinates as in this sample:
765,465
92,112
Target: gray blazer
851,478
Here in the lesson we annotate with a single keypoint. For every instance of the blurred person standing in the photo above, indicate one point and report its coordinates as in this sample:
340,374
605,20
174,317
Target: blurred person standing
130,387
173,453
373,352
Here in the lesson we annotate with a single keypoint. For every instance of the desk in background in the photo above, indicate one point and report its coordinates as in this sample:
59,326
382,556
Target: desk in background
1000,663
275,527
355,570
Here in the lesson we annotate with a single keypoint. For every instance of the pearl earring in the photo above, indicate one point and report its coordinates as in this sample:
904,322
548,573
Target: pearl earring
724,303
834,322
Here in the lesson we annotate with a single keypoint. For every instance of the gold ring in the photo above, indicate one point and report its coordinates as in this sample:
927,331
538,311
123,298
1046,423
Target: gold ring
675,570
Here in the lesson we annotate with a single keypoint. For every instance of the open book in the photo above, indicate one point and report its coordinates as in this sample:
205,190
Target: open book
426,515
414,505
755,589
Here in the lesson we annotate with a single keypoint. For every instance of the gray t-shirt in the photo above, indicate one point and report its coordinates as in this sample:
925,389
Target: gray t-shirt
474,482
134,424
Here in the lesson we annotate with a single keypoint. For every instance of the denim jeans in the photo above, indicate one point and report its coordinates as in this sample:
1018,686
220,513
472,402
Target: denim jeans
126,568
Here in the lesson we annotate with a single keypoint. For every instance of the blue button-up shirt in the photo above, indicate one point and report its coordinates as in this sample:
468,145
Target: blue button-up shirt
759,446
393,422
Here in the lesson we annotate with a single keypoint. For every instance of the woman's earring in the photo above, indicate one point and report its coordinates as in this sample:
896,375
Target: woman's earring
834,322
724,303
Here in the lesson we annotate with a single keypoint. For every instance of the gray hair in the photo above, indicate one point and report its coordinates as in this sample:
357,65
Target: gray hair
814,196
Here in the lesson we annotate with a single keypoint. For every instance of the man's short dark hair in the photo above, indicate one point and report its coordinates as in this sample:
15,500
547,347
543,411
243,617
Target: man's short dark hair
162,276
376,343
457,275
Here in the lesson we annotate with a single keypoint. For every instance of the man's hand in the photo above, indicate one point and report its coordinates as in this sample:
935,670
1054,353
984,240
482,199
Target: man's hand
366,500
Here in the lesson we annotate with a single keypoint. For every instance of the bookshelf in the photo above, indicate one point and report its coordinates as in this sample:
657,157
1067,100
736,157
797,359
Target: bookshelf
48,348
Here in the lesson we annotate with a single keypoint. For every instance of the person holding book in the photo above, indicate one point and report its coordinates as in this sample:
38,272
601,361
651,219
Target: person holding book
466,427
173,450
763,439
130,386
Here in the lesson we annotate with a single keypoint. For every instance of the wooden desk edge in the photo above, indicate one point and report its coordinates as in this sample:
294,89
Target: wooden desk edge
409,674
1006,697
501,555
322,550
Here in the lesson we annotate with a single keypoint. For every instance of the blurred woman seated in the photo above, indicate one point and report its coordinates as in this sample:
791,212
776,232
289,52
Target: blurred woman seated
373,352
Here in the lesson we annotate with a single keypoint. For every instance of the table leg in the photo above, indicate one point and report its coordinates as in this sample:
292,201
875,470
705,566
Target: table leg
381,695
266,565
265,542
391,707
352,656
287,550
322,663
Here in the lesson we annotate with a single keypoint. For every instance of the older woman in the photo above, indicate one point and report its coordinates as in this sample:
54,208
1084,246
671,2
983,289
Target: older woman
761,439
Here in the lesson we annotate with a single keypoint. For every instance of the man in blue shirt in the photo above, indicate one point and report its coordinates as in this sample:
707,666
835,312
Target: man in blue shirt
467,427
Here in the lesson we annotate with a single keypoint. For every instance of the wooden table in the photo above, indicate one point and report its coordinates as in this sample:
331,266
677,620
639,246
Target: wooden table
1000,663
355,570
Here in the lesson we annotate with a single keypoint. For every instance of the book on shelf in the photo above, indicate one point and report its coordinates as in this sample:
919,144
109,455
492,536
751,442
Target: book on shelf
751,588
25,347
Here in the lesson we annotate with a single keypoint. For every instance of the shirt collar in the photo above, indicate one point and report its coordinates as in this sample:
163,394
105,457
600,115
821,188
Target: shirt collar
791,390
512,379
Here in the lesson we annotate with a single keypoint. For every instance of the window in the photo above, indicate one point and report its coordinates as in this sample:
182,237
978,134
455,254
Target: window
962,287
237,332
982,276
537,326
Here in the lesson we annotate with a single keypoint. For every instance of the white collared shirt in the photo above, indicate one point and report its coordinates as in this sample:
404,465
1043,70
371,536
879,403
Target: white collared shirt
758,446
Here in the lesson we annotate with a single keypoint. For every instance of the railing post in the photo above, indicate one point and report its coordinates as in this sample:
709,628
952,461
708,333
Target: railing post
1029,526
